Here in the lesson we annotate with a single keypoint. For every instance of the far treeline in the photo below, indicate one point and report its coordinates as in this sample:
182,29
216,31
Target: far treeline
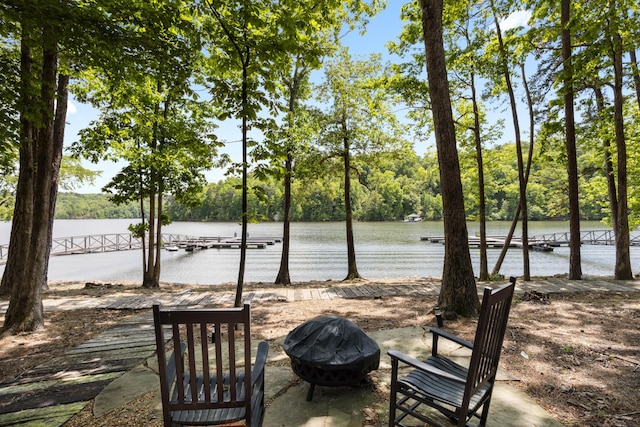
400,184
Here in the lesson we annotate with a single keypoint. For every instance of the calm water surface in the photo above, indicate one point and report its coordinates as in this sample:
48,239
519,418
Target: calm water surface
318,252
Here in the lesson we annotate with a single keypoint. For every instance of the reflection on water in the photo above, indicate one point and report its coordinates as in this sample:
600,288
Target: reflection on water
318,252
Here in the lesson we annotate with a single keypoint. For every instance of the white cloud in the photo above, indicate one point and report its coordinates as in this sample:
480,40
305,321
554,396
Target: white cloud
71,108
516,19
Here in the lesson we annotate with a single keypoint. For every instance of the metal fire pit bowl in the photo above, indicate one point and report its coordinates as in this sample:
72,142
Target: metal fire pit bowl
331,351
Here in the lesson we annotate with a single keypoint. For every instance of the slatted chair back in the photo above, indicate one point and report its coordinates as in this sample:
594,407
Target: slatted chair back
487,345
214,348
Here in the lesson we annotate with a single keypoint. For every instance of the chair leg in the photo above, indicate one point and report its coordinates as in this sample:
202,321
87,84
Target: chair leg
394,392
485,413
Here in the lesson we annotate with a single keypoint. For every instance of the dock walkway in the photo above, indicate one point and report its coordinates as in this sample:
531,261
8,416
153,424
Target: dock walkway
113,242
546,242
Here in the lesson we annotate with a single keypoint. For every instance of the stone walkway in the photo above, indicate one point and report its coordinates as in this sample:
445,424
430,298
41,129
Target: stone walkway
52,393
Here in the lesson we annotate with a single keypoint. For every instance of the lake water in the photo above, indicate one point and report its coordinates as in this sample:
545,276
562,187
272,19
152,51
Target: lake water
318,252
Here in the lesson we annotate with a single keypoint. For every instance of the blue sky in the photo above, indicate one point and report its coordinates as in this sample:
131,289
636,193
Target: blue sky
386,26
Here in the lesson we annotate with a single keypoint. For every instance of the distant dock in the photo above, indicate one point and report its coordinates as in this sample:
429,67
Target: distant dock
546,242
208,242
125,241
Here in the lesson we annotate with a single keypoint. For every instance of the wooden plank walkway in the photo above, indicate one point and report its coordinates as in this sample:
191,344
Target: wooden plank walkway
366,289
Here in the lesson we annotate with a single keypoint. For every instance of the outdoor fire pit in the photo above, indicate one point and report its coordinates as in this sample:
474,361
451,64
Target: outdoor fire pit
331,351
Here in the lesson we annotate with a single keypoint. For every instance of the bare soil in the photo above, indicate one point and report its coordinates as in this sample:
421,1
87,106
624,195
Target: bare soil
576,354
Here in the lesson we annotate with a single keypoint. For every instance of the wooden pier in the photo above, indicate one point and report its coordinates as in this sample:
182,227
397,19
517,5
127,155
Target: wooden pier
125,241
546,242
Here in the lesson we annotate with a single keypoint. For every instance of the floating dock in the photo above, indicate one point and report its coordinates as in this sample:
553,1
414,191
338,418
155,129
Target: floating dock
218,242
545,242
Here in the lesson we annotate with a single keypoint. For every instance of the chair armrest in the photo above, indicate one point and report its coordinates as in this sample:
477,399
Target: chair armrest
261,358
408,360
439,332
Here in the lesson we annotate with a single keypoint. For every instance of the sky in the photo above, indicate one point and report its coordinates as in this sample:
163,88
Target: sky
384,27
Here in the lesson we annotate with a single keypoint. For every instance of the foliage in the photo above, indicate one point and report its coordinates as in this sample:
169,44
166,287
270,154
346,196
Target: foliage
93,206
405,184
9,120
9,125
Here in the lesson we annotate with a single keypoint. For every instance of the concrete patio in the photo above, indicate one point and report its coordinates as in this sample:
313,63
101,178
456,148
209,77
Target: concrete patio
338,406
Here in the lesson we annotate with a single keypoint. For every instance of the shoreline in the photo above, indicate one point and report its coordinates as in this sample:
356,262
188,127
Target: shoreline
311,283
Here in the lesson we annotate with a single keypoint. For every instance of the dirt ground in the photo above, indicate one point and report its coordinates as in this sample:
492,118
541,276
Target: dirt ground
577,355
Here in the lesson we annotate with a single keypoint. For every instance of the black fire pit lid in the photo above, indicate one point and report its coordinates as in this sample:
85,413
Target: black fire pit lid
333,342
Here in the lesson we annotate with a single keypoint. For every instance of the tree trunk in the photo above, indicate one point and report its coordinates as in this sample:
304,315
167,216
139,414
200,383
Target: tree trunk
283,274
608,163
458,291
62,99
283,277
158,248
148,280
636,74
507,241
525,179
484,265
154,251
23,209
25,274
245,219
516,128
527,173
149,277
143,235
352,272
575,268
623,258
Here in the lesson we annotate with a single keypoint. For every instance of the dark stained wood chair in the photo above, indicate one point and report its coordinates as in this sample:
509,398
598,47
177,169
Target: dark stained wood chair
208,378
456,391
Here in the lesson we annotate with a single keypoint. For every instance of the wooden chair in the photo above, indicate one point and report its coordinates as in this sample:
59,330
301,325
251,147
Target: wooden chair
456,391
207,380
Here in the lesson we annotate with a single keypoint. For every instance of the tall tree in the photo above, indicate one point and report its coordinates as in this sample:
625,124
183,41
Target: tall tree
527,172
503,60
152,119
294,84
287,142
465,35
358,121
248,42
575,268
468,36
284,145
616,46
42,30
458,292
